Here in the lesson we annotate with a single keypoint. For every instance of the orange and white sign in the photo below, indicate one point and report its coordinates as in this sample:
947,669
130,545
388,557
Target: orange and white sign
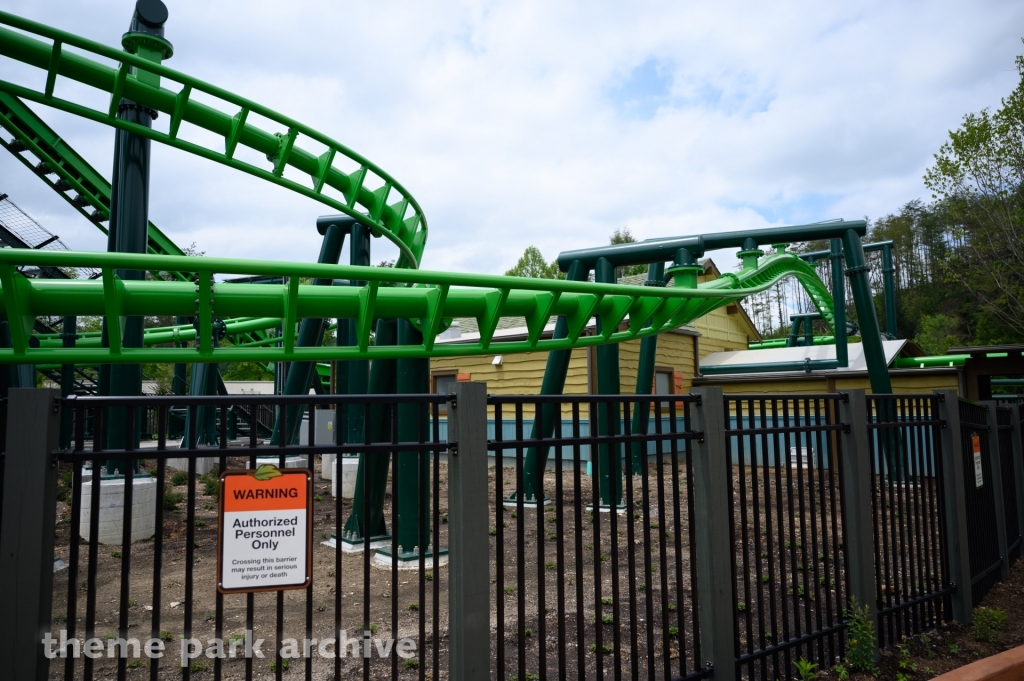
266,530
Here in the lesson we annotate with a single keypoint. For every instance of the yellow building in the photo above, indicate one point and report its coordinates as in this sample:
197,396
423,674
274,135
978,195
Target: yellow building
680,353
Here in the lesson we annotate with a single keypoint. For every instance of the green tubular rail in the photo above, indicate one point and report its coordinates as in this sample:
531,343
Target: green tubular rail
428,298
73,173
401,221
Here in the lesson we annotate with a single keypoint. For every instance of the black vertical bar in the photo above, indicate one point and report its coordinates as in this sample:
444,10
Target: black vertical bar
395,548
634,655
595,486
99,424
222,463
190,530
366,542
542,667
340,433
577,494
310,440
744,543
74,541
558,500
615,463
758,560
645,494
436,460
499,533
520,545
126,541
659,462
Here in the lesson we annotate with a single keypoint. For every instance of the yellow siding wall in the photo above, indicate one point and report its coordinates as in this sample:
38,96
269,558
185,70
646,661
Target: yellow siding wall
520,374
901,384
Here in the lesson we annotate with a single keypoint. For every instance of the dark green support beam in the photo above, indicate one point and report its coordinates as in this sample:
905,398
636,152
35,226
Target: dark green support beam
311,333
555,372
645,377
608,414
835,255
67,381
129,212
372,474
412,493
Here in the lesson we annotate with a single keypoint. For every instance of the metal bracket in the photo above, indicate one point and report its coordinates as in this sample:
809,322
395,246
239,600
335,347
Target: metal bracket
699,435
56,404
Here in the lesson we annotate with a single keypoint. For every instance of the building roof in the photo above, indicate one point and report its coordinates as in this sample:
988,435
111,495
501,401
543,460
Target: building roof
799,354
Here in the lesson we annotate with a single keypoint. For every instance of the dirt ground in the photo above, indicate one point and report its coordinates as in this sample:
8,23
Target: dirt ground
611,568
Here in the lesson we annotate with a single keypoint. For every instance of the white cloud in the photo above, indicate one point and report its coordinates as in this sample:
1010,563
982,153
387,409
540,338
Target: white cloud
501,118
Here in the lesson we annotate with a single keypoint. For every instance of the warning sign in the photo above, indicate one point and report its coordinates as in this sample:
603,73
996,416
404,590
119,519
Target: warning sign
979,478
266,540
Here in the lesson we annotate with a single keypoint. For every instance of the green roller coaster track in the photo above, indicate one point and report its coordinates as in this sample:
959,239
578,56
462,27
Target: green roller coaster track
427,298
424,296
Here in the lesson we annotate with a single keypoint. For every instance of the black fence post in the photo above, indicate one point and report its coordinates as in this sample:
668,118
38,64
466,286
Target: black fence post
996,458
469,597
858,524
29,524
713,536
1016,414
956,506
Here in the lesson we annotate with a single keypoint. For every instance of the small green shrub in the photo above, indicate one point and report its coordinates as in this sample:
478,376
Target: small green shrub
179,478
987,621
413,607
171,500
284,665
211,486
203,665
861,643
806,669
411,663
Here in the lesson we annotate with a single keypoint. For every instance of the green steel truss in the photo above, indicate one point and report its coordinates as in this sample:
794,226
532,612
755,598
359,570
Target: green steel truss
361,189
427,298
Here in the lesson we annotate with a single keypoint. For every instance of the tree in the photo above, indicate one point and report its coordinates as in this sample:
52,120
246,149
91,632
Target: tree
978,178
624,236
533,265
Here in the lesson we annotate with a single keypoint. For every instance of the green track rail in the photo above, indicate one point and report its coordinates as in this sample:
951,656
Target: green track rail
427,298
366,191
75,180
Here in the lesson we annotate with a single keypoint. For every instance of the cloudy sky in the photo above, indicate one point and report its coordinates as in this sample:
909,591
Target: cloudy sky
554,123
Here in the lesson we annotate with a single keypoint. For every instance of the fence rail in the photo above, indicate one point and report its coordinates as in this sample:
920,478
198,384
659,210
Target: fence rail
629,535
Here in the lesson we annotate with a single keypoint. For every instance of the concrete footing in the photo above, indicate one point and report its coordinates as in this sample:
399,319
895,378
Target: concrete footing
111,520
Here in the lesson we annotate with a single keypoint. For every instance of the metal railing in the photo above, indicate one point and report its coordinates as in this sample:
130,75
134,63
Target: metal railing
788,530
372,603
908,511
600,578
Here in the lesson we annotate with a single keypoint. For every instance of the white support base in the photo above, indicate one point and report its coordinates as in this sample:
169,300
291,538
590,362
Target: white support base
327,467
357,546
408,561
289,461
111,520
204,464
349,474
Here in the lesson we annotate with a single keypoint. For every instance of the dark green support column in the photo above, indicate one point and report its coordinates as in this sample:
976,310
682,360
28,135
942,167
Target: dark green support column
412,483
555,371
871,337
311,334
645,376
179,384
69,334
129,208
358,371
889,290
608,415
205,381
839,302
372,475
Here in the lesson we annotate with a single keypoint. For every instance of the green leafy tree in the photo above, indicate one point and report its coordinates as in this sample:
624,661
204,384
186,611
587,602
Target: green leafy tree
624,236
978,177
937,333
533,265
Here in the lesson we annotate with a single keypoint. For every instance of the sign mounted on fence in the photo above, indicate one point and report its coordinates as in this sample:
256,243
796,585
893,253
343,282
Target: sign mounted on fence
979,478
266,530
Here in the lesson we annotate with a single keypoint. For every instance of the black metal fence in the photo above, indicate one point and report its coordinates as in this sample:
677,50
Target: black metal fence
594,541
908,510
786,500
979,495
169,585
600,577
1004,428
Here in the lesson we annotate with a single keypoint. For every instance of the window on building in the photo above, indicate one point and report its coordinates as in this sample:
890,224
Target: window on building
663,385
443,383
